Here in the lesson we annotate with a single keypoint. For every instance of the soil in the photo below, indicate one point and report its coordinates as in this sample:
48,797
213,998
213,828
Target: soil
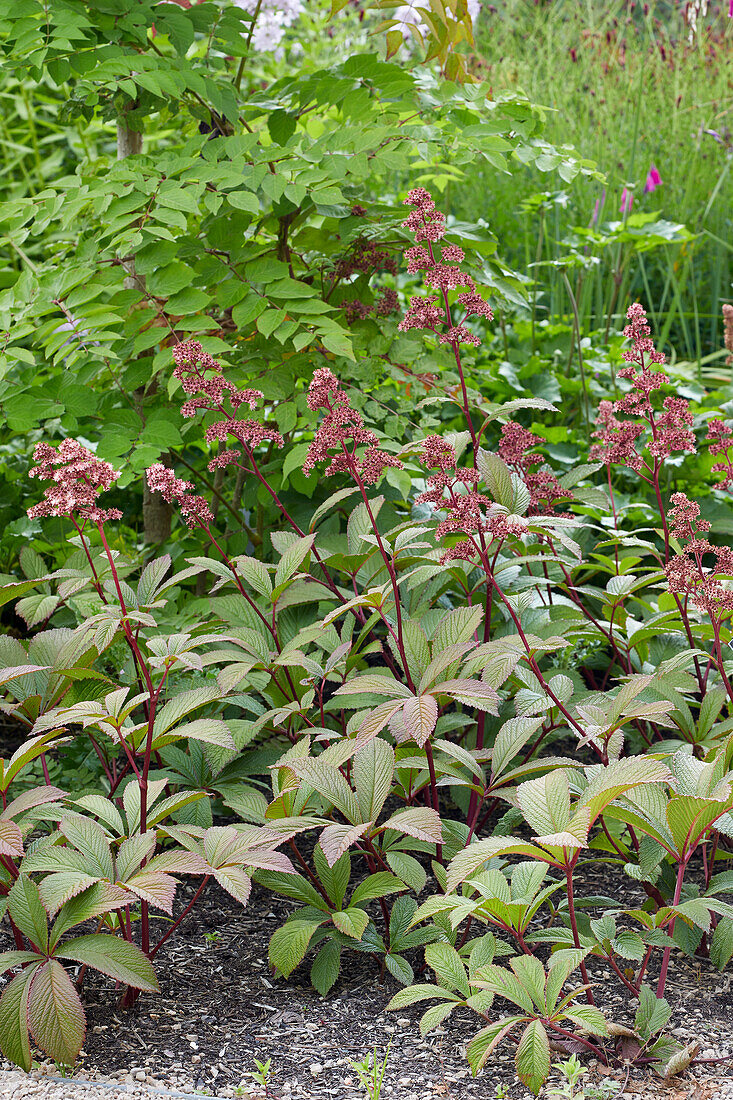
221,1008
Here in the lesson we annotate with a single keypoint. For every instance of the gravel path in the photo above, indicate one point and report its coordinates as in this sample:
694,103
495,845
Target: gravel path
20,1086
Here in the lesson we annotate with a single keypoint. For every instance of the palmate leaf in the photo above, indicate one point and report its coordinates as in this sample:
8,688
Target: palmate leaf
55,1015
115,957
533,1057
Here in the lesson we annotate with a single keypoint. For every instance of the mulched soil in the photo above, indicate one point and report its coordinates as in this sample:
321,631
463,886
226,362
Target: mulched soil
221,1008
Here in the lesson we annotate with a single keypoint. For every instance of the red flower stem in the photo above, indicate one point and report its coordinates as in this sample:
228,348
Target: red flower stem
622,977
569,868
182,917
578,1039
682,867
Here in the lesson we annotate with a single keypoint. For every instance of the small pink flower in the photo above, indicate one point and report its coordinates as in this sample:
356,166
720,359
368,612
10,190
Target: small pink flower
653,180
627,201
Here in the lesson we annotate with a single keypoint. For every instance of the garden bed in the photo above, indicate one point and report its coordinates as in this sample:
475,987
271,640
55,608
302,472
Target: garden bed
221,1008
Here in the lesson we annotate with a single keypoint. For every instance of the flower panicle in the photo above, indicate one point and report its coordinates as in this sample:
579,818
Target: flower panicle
342,430
515,448
429,227
77,478
175,490
203,381
671,428
708,587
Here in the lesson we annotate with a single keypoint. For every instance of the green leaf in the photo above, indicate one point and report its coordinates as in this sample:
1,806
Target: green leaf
26,909
482,1046
588,1018
445,961
545,803
255,573
511,738
422,991
55,1015
505,487
378,885
14,1041
721,945
330,783
352,922
408,869
334,876
292,559
289,944
434,1016
57,889
326,966
652,1015
375,684
372,773
458,625
115,957
533,1057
